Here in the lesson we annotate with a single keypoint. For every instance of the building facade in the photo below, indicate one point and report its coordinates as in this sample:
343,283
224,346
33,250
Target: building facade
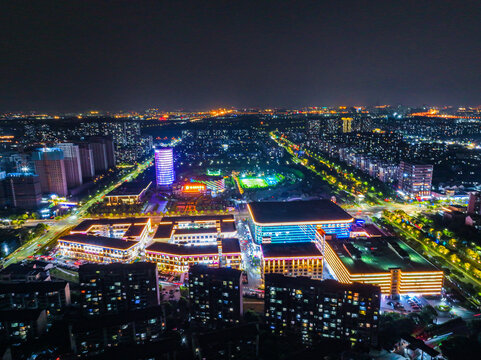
311,309
164,166
50,168
415,179
116,288
297,221
72,162
215,296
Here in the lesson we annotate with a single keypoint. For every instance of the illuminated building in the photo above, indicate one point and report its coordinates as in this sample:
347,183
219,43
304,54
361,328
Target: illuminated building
415,179
215,296
176,259
116,288
100,334
386,262
309,310
346,124
22,190
128,229
19,326
86,161
195,230
50,168
192,189
98,248
297,221
73,170
215,184
164,166
128,193
51,295
292,259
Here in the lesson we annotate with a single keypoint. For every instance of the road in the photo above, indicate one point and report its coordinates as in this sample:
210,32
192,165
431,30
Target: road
59,226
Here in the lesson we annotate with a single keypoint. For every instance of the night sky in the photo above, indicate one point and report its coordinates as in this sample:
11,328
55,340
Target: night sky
111,55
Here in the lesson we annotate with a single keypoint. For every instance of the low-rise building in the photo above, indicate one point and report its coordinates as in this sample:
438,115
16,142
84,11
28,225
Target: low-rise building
293,259
126,228
99,249
195,230
386,262
176,259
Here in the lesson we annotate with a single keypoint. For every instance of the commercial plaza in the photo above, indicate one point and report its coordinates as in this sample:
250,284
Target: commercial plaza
308,235
297,236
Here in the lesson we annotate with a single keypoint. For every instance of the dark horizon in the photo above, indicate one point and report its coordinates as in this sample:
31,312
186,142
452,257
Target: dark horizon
97,55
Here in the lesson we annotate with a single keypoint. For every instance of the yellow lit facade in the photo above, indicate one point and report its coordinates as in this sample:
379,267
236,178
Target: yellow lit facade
179,264
305,266
392,282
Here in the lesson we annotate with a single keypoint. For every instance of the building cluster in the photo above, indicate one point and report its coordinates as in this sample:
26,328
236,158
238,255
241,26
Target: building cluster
63,170
180,242
298,237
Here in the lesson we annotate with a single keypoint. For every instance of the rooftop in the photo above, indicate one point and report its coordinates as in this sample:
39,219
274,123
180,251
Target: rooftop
163,231
222,272
229,246
102,241
200,218
87,224
328,285
130,188
378,255
311,211
35,286
303,249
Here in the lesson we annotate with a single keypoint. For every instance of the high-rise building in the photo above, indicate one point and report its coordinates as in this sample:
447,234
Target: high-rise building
164,166
72,161
114,288
312,309
347,124
24,190
86,161
99,153
415,179
50,167
474,205
215,296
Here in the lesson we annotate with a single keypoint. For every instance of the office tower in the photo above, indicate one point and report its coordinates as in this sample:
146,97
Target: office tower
415,179
24,190
50,167
86,161
114,288
215,296
309,309
73,169
164,166
474,205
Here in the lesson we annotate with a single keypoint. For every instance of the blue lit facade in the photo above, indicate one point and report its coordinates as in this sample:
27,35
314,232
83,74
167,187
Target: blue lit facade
298,232
164,166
